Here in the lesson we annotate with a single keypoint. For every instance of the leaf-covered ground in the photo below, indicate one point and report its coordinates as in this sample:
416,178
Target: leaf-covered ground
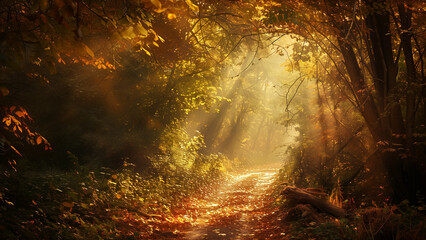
125,205
234,210
237,208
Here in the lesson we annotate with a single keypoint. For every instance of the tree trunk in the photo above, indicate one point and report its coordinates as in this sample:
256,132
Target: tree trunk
405,15
383,115
302,196
367,106
384,68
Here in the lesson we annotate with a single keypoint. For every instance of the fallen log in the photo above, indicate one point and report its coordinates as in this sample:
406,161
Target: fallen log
301,196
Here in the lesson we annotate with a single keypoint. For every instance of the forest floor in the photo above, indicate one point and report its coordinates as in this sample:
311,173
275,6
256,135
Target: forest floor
237,209
243,205
104,205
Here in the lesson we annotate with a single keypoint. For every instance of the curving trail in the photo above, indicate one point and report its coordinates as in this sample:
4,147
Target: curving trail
234,210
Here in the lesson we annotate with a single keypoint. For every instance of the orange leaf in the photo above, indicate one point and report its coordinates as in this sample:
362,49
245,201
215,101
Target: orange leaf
14,149
171,16
156,3
84,205
39,140
160,10
192,5
19,114
7,121
88,50
68,204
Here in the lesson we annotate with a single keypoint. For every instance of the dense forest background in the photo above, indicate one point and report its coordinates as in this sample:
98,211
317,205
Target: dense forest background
138,104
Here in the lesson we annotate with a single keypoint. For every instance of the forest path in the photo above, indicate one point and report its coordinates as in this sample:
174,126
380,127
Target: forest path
234,209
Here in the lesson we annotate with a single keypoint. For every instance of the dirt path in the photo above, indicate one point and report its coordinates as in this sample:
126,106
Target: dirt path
234,209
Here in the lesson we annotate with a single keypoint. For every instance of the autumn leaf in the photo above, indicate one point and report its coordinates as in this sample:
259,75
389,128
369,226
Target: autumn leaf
19,114
84,205
141,30
146,51
161,39
160,10
39,140
7,121
156,3
129,33
14,149
171,16
88,50
192,6
68,204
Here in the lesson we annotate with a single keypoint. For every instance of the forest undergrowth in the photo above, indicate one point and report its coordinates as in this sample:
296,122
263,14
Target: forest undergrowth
99,204
364,218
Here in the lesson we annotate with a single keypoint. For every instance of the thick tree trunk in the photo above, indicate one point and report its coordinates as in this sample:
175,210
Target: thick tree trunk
384,68
405,15
383,114
367,106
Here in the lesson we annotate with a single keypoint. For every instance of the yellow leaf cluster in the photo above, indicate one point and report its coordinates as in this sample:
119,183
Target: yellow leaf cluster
192,6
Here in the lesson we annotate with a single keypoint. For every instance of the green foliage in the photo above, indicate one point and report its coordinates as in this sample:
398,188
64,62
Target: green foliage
112,77
99,204
181,158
